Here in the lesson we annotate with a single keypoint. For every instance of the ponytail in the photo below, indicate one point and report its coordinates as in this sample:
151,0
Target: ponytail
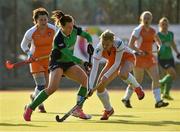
60,18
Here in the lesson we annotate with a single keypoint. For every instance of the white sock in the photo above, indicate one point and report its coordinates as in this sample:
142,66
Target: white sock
36,92
128,93
157,94
104,97
132,81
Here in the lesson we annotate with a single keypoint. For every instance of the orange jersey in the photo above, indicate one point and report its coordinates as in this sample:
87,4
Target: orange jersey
118,55
145,40
41,45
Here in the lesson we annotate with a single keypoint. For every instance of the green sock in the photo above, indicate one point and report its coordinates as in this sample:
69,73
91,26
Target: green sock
81,94
38,100
162,87
165,79
168,86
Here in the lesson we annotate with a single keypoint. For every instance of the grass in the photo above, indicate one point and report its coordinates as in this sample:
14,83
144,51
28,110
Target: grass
143,116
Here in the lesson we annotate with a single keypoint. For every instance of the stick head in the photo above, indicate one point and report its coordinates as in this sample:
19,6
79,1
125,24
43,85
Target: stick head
58,119
9,65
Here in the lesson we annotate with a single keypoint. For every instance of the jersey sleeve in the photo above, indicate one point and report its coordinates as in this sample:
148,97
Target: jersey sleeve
83,34
93,73
136,31
26,41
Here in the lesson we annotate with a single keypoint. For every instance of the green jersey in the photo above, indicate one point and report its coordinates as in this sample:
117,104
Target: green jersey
165,50
63,46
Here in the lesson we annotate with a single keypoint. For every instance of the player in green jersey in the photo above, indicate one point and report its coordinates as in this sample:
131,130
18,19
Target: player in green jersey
165,57
62,62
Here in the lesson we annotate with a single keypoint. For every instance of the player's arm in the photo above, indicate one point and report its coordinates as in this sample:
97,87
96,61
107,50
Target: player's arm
25,43
93,73
158,41
69,54
175,48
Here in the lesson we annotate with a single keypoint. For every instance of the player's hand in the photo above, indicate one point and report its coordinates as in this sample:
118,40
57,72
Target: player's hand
140,53
30,56
178,56
90,49
87,66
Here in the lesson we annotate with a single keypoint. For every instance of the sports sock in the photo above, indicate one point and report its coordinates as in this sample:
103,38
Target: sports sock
81,94
168,86
41,97
157,94
104,97
132,81
128,93
165,79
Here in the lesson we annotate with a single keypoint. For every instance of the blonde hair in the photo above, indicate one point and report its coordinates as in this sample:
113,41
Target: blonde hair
107,35
163,19
145,13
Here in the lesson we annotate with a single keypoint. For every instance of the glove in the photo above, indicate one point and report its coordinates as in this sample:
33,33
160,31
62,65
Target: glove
87,66
178,56
90,49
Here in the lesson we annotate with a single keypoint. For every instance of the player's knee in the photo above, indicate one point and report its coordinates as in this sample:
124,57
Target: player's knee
40,82
50,90
123,75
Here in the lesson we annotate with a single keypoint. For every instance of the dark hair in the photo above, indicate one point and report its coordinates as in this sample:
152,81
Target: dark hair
37,12
60,18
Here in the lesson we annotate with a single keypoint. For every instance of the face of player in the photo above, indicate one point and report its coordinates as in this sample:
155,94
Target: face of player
42,20
164,25
67,29
147,19
107,44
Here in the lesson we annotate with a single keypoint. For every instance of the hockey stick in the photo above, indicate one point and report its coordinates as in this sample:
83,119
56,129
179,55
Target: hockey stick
9,65
145,53
58,119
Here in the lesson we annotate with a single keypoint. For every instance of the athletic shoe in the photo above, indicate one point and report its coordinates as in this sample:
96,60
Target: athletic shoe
107,114
161,104
168,97
40,107
27,113
126,103
78,112
139,92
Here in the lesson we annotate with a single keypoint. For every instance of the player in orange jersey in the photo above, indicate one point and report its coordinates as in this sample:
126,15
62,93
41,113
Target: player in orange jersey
141,41
40,38
120,62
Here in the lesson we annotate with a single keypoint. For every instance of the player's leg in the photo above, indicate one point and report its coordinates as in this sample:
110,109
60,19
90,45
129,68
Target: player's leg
77,74
153,72
138,74
127,77
40,82
167,81
54,78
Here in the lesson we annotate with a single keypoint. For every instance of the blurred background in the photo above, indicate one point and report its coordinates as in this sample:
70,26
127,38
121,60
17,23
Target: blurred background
121,16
